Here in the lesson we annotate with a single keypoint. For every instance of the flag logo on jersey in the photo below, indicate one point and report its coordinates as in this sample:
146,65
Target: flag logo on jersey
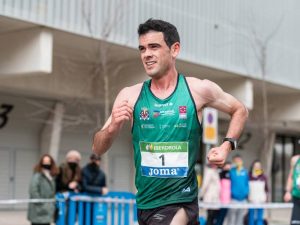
144,114
156,113
182,112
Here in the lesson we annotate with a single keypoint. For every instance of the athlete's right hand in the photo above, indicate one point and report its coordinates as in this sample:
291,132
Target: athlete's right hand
287,196
120,114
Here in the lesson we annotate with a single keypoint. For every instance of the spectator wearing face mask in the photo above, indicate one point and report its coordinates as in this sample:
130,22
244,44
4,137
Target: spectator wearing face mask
93,178
69,177
239,190
93,181
258,191
42,186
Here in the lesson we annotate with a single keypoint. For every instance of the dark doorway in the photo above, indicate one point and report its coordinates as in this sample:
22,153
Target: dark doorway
285,147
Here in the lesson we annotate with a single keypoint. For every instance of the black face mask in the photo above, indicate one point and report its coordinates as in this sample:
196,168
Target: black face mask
46,166
72,165
94,166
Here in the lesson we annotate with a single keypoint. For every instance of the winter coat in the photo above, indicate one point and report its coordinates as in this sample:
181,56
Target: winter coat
41,188
225,194
239,184
258,189
93,179
211,187
66,176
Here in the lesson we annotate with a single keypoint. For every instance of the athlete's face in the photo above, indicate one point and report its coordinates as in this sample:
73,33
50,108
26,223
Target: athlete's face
156,56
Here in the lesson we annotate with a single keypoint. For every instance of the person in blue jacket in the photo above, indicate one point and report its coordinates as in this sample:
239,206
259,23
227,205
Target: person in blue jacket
93,178
239,190
93,182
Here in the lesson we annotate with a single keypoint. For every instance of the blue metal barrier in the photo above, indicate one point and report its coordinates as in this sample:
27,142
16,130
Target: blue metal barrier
95,210
256,216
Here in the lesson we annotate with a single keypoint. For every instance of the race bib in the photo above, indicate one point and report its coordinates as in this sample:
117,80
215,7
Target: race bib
164,159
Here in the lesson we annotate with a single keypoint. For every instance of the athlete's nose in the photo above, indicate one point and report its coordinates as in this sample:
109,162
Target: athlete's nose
148,53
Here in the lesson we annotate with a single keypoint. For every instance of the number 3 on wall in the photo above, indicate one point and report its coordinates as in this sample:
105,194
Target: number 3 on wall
5,109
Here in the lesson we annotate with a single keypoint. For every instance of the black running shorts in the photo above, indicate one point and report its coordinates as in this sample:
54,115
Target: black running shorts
163,215
296,211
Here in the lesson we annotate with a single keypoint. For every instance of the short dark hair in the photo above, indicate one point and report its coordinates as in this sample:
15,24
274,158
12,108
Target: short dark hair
95,157
237,156
169,30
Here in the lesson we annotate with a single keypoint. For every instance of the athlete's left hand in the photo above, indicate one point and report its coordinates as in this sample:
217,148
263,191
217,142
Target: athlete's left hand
218,155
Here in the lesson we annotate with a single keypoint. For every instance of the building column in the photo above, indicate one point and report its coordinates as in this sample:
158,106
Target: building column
51,133
266,154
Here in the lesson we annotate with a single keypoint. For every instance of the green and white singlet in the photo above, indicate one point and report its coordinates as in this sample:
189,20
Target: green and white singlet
296,179
166,138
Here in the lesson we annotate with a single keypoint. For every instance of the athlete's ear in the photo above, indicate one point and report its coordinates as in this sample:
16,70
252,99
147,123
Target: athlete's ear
175,49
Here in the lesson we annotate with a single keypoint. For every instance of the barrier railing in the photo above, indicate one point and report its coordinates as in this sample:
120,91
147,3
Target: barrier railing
119,208
115,208
250,206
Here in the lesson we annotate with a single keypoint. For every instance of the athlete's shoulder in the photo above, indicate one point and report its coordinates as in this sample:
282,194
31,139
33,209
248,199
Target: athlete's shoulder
133,88
199,82
202,86
130,93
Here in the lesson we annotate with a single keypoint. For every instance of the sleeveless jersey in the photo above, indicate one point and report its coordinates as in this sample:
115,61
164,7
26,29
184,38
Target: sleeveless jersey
166,138
296,179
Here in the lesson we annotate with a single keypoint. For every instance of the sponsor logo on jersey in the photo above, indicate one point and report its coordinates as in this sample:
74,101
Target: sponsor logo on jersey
164,146
164,126
180,125
170,112
184,190
156,113
162,172
182,112
157,105
149,147
144,114
147,126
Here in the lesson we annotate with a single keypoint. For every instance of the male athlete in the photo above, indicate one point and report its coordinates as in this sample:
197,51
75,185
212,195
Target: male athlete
164,113
292,191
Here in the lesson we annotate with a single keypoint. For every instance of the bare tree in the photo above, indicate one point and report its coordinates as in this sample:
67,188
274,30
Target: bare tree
104,70
260,45
260,41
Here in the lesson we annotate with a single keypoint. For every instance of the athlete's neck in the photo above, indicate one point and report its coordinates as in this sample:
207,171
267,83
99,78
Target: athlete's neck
164,84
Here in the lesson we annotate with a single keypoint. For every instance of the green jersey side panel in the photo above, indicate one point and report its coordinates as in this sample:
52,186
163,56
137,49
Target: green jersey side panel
296,180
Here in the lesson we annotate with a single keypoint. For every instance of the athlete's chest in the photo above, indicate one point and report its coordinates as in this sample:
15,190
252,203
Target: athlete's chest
167,111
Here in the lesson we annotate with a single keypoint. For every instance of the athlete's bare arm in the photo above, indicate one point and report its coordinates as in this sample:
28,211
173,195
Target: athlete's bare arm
121,112
208,94
289,183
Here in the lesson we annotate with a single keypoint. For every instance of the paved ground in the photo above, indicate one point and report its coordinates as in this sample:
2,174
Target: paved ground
18,217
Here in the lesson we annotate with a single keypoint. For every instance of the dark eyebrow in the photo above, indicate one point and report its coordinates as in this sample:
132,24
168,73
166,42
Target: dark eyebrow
154,44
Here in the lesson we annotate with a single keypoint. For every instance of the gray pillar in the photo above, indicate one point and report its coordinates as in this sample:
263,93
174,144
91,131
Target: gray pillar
51,133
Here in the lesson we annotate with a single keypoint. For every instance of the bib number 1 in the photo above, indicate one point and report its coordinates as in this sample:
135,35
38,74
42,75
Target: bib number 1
164,159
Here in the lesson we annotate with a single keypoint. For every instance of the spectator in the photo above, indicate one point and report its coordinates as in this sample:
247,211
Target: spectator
42,186
210,191
258,191
225,195
93,178
94,181
239,190
292,191
69,176
199,176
